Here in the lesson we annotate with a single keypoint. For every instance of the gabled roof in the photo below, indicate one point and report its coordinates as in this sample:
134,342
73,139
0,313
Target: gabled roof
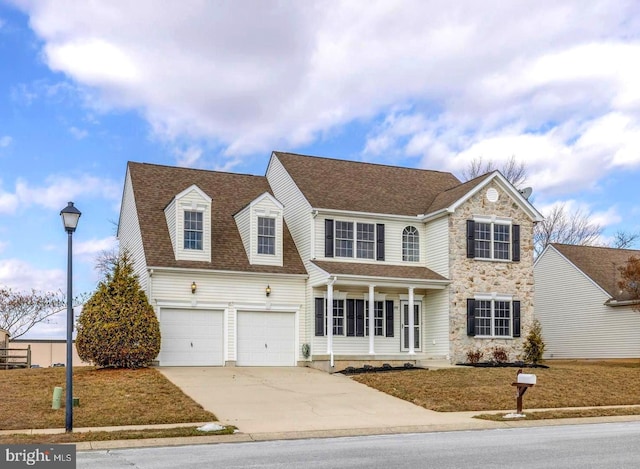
600,264
155,186
354,186
379,270
365,187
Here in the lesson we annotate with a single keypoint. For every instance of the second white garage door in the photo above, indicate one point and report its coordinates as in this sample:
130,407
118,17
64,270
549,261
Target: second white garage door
191,338
266,339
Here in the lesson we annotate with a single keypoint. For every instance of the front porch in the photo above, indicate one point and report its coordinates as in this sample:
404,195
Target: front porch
342,362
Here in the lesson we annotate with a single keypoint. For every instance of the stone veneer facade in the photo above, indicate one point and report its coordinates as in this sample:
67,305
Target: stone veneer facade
471,276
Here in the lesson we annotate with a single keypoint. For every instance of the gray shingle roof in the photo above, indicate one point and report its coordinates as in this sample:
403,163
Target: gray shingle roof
601,264
366,187
155,186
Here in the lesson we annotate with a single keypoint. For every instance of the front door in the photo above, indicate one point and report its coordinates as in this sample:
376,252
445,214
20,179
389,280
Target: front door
417,325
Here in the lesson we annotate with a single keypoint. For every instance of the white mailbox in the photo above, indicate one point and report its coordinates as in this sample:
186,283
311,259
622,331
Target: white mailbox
525,378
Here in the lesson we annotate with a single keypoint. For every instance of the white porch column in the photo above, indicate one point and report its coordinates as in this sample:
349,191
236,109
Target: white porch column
330,319
371,316
412,350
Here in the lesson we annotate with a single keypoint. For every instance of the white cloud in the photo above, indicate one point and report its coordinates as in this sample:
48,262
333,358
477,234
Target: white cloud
20,275
5,141
556,84
58,191
88,250
78,133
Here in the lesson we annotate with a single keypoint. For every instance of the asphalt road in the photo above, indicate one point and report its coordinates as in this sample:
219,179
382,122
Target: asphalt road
602,446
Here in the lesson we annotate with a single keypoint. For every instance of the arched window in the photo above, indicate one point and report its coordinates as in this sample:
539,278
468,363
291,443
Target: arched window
410,244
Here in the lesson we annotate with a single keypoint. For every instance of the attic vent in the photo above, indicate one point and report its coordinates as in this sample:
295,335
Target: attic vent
492,195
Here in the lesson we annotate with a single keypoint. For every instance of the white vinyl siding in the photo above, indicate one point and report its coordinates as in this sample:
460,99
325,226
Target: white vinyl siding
575,321
436,242
436,323
229,292
129,235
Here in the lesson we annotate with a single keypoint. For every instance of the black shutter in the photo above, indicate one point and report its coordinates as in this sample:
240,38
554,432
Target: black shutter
471,228
360,318
351,319
388,307
516,319
328,238
471,317
515,243
319,316
380,242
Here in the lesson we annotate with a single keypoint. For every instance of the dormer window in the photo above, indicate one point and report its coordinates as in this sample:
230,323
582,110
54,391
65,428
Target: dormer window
193,228
266,235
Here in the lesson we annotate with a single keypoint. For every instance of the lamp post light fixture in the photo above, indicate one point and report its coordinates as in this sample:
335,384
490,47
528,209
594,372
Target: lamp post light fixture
70,216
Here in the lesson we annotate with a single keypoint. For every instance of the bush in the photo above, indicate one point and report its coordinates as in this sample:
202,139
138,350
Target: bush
118,327
474,356
533,347
500,355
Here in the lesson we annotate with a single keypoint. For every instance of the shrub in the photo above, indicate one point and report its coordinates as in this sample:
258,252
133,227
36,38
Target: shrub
533,347
474,356
500,355
118,327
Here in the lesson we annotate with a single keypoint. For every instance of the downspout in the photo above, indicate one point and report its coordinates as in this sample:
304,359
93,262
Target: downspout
330,283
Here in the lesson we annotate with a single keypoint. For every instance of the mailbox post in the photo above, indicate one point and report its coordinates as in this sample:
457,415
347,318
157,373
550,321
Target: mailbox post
523,382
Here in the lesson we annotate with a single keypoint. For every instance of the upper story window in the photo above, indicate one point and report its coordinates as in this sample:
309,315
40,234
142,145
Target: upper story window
193,228
266,235
354,239
410,244
499,240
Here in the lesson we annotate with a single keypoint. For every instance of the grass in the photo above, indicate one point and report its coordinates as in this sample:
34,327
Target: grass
108,397
565,414
564,384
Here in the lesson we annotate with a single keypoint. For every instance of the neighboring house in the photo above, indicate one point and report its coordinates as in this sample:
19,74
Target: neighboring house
322,261
47,352
583,312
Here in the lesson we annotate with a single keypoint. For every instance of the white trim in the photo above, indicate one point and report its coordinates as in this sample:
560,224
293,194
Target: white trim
492,219
379,216
193,187
226,272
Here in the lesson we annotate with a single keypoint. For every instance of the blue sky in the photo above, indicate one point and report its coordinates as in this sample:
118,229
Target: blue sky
87,86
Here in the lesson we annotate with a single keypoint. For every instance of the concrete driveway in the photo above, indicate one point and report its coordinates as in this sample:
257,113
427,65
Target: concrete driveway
297,399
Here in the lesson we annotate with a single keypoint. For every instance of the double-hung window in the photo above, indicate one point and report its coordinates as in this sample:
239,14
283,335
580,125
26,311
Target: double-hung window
193,228
493,317
498,240
344,239
266,235
366,240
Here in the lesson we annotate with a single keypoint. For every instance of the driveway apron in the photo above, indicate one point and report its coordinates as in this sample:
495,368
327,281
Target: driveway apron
295,399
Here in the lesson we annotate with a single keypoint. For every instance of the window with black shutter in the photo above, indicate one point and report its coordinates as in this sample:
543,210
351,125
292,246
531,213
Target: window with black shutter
328,238
516,319
380,242
388,307
319,316
515,246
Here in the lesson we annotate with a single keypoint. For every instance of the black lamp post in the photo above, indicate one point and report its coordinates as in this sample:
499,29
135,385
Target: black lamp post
70,216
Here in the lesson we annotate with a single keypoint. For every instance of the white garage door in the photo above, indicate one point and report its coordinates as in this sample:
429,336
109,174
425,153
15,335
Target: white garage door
266,339
191,338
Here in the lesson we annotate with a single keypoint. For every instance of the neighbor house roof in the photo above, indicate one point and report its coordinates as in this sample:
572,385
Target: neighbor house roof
600,264
366,187
155,186
379,270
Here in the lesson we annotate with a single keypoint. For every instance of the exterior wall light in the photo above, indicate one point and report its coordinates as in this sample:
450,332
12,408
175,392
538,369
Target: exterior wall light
194,287
268,290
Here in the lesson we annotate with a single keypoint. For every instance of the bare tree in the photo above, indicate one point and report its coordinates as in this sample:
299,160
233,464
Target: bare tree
515,172
630,280
562,226
106,261
624,240
20,311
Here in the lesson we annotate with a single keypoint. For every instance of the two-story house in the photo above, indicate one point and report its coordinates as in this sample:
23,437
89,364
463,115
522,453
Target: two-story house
329,262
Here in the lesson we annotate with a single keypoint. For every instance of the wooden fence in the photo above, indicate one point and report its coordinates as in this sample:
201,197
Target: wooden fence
15,357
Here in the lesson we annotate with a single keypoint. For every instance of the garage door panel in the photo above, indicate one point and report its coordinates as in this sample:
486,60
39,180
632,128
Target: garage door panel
266,339
191,338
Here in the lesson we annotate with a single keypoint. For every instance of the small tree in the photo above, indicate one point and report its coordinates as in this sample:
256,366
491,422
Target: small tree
118,327
20,311
533,347
630,280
